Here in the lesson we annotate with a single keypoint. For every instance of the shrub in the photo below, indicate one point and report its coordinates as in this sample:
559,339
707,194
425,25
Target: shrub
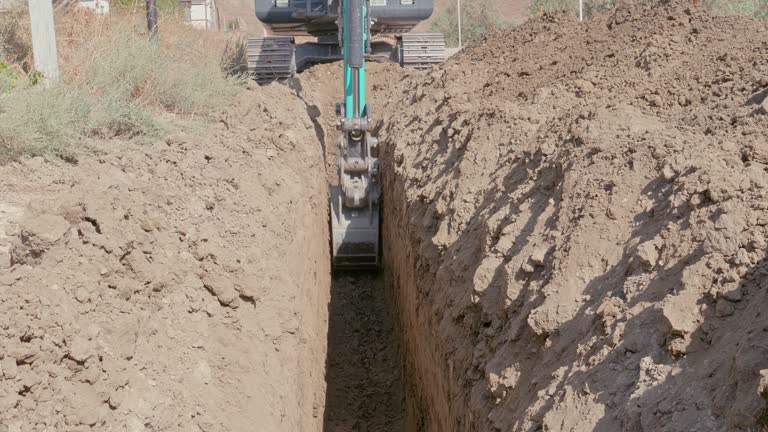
752,8
591,7
15,41
477,18
164,7
115,84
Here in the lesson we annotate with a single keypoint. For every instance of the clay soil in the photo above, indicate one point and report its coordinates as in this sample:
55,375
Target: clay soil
178,286
575,220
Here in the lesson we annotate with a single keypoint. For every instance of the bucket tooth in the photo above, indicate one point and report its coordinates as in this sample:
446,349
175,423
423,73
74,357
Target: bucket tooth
355,234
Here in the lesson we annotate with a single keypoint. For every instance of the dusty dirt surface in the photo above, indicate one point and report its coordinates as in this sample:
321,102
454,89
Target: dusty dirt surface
179,286
575,220
365,388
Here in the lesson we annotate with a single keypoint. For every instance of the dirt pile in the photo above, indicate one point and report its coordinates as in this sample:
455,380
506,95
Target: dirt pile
178,286
575,225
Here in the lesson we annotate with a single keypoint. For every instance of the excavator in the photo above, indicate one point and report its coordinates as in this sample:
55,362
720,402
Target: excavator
344,30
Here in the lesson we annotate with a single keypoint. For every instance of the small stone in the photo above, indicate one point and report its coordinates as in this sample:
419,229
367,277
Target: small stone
8,401
9,367
668,172
30,379
717,242
583,86
648,255
611,308
695,200
5,259
679,347
116,398
12,230
146,225
731,276
539,255
732,292
89,417
742,258
223,289
527,268
732,225
82,295
80,349
724,308
763,109
655,100
500,382
719,194
762,387
547,149
758,242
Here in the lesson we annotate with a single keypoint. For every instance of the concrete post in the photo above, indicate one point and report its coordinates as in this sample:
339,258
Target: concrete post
458,13
44,39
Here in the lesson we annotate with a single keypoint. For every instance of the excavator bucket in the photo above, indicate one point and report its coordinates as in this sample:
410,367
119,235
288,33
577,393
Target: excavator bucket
355,235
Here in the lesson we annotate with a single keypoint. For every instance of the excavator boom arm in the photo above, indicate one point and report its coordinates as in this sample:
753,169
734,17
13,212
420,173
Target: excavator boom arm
355,200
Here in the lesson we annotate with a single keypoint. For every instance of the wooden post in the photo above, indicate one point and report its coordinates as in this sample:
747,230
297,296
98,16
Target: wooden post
152,20
44,39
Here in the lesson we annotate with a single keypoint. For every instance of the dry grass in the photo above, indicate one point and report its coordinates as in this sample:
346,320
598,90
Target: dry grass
115,84
478,17
751,8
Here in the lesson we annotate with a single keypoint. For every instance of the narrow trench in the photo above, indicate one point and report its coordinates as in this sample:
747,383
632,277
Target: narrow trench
363,368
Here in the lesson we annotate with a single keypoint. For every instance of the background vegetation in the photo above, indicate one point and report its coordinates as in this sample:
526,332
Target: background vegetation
115,84
477,18
753,8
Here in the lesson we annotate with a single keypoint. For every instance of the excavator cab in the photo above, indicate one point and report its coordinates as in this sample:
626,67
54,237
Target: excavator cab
344,30
278,57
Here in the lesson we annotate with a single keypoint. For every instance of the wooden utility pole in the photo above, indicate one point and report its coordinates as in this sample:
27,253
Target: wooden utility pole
44,39
152,20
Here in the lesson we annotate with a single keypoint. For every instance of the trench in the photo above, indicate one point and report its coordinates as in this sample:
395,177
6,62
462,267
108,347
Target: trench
368,383
363,369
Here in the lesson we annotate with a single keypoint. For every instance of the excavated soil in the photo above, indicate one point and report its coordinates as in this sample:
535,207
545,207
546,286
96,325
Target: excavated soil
178,286
575,222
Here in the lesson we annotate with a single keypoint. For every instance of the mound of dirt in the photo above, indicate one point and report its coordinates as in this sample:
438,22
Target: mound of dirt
178,286
575,223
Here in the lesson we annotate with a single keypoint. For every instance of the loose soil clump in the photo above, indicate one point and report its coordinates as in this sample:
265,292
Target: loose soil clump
575,222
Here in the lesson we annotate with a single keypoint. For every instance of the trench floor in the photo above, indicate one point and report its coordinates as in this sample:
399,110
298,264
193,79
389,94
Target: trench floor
363,370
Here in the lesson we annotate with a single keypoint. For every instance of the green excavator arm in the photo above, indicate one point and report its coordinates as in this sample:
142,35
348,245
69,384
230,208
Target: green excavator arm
355,200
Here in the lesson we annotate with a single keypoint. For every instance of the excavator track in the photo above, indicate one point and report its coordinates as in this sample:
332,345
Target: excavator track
421,50
271,58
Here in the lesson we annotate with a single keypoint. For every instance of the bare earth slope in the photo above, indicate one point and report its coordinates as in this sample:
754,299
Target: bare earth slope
575,222
178,286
